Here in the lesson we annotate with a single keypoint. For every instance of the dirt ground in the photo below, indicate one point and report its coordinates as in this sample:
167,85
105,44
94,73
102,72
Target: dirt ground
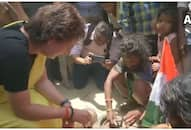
90,97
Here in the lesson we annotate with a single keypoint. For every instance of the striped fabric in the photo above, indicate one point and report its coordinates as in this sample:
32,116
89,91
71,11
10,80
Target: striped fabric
137,16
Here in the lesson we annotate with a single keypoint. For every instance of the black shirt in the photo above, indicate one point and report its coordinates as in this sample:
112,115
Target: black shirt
15,61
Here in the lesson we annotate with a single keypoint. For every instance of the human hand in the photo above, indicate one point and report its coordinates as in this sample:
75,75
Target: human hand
154,59
155,66
82,116
132,116
110,117
108,64
87,60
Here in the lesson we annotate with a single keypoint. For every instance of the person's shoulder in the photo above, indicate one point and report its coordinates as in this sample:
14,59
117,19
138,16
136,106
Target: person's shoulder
13,43
7,31
9,35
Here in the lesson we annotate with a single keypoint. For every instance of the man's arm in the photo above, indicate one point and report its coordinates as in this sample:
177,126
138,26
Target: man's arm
108,85
113,74
22,106
80,60
108,93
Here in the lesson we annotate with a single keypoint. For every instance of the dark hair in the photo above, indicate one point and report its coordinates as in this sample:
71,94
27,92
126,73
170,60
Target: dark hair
135,44
175,99
172,13
103,29
56,21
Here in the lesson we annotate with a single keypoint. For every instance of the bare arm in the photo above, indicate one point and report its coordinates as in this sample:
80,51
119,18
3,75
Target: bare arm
23,108
80,60
108,86
108,93
47,89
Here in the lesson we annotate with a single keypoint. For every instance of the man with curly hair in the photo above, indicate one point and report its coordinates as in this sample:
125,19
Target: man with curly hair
26,94
133,72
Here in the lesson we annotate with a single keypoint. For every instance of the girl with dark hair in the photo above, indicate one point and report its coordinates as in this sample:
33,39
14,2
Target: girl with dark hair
166,27
90,56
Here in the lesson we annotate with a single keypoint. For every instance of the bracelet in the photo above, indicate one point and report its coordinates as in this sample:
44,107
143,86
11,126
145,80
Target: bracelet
108,100
65,101
66,113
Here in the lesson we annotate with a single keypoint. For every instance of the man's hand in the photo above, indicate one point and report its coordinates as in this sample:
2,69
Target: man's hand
132,116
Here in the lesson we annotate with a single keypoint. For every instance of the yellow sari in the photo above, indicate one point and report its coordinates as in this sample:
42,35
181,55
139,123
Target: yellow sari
7,117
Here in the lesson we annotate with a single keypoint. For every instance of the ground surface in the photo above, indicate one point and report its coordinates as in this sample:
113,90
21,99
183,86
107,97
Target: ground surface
90,97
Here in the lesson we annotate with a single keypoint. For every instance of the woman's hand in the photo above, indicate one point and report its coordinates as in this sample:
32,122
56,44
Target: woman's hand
87,60
82,116
108,64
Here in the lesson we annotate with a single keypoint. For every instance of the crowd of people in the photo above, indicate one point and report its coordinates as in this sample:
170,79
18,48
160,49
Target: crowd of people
121,58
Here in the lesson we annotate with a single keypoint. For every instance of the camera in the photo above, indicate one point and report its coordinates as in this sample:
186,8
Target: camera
98,58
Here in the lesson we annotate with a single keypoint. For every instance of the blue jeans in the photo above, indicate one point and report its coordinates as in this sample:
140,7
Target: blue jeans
81,74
